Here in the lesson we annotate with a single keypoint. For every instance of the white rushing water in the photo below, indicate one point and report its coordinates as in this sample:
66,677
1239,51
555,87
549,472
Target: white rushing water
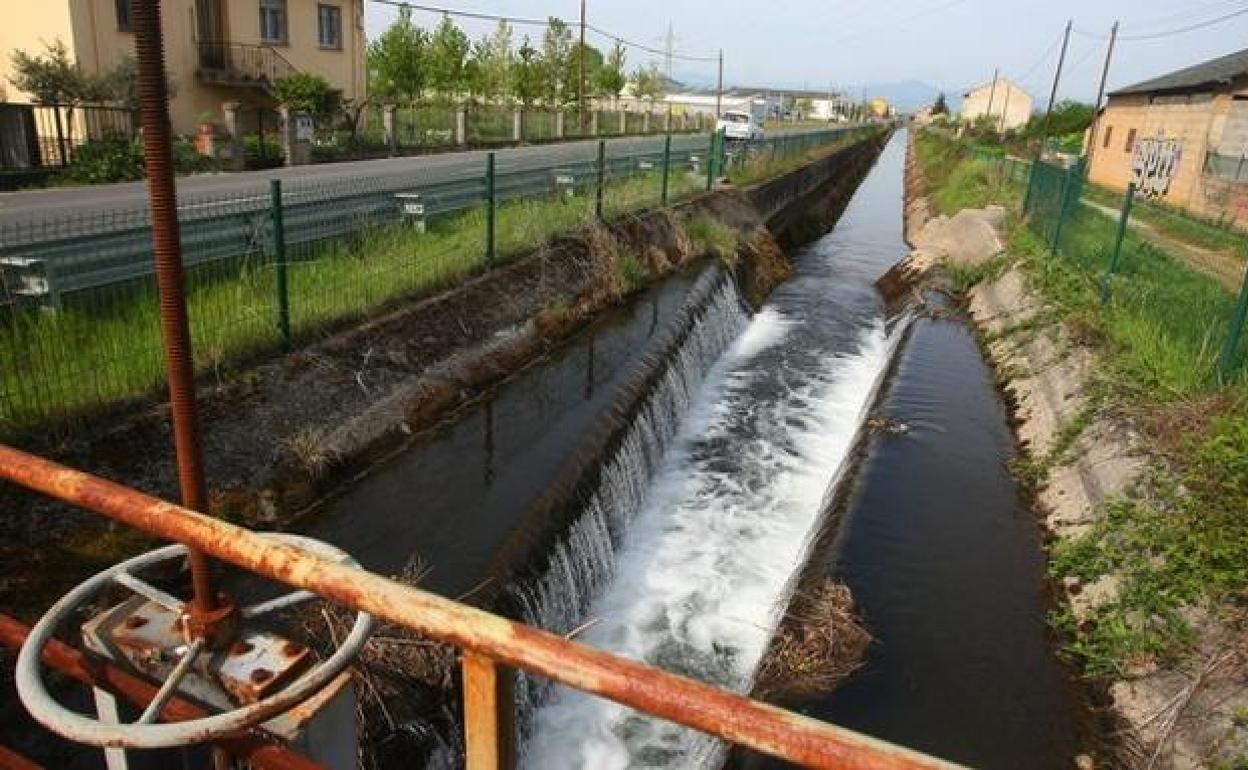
722,524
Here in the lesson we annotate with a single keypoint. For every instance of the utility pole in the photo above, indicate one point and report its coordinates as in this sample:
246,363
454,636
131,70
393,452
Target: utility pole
992,95
1005,108
669,50
1100,93
1057,78
580,85
719,87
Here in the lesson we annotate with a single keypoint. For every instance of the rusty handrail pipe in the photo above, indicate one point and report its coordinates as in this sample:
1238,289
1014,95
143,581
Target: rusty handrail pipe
253,748
678,699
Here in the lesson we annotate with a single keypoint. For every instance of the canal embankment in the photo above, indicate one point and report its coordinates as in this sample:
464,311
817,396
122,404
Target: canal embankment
1134,455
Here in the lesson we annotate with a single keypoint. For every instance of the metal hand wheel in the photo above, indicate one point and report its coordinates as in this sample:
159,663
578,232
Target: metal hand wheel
145,733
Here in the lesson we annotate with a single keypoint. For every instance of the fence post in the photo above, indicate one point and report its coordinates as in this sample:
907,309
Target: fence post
1123,220
1231,346
602,177
1031,185
489,714
710,161
461,126
667,165
1061,211
279,262
491,211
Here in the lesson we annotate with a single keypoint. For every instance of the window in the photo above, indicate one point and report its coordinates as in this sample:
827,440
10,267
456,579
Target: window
329,26
273,21
123,14
1130,145
1109,135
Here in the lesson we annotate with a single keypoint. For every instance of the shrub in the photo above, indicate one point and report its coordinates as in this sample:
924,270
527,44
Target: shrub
115,158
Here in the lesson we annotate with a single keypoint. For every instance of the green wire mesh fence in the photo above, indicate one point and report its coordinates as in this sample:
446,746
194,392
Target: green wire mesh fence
1179,316
265,268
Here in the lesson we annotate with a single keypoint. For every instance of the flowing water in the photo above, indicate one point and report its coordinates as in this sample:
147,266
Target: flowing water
945,560
723,521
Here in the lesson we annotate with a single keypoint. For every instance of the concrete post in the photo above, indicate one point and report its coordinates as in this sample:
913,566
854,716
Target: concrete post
461,126
389,126
623,122
645,122
234,156
517,126
593,123
297,133
559,124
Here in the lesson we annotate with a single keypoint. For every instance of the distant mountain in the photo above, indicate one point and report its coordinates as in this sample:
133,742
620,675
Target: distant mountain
909,95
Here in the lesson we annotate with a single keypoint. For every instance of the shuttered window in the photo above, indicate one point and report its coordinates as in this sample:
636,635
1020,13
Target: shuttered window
329,26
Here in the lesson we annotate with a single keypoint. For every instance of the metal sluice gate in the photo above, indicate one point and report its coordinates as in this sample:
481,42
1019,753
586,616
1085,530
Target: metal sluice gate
258,697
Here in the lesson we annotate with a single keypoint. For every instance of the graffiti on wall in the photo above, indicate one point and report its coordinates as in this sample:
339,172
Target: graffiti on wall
1155,165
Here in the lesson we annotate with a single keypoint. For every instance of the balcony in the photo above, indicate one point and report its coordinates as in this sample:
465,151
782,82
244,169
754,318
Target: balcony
241,64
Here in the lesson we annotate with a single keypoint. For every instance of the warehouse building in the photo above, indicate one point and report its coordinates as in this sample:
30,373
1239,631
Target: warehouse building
1182,138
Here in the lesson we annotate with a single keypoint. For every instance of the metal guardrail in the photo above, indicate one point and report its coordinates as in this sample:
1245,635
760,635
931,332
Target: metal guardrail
492,646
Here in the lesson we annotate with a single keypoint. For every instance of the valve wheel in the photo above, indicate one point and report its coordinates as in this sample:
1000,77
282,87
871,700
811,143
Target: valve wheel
146,733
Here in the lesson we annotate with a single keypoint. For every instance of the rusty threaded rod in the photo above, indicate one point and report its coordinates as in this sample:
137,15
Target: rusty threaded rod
170,280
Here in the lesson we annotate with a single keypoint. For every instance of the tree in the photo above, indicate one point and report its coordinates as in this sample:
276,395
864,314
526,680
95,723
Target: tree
496,67
1069,117
448,55
593,65
527,75
306,92
940,107
51,78
556,48
648,83
611,79
397,60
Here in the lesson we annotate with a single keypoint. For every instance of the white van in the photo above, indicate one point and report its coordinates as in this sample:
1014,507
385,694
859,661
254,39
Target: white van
740,127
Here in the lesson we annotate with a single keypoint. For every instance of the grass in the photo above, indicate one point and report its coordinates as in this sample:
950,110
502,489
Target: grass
106,349
713,237
1180,540
768,164
1175,224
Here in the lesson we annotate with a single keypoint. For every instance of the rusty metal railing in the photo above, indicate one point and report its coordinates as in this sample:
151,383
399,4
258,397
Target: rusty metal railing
491,644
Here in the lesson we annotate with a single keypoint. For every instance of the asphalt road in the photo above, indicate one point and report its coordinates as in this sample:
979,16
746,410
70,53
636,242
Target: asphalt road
31,207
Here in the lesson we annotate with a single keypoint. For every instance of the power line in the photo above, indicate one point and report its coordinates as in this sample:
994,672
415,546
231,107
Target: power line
1168,33
521,20
1189,28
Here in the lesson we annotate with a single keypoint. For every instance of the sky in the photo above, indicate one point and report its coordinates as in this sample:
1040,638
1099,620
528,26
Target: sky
950,44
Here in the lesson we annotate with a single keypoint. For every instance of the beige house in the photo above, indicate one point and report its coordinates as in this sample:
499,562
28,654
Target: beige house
1182,138
1003,99
216,51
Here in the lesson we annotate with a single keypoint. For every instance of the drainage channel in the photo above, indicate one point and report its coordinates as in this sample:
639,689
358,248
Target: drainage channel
723,519
444,506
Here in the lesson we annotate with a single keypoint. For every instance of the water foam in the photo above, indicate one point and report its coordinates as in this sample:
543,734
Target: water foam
703,572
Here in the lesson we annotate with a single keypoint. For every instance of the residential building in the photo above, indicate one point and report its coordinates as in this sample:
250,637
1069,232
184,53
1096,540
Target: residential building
1002,99
1181,137
216,51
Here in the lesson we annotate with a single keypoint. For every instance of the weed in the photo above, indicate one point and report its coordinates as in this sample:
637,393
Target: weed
713,238
631,271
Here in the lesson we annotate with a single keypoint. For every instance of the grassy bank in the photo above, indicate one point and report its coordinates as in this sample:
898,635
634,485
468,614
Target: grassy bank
1178,545
765,164
108,349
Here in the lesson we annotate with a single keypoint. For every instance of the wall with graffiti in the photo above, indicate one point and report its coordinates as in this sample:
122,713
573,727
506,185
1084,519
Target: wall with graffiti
1155,164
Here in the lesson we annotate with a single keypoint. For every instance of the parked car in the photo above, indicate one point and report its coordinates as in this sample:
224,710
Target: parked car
740,127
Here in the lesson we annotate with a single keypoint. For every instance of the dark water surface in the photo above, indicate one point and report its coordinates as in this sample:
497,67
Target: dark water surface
454,496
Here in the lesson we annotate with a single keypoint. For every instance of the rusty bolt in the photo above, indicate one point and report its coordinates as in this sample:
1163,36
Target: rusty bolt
241,648
261,675
292,649
135,621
